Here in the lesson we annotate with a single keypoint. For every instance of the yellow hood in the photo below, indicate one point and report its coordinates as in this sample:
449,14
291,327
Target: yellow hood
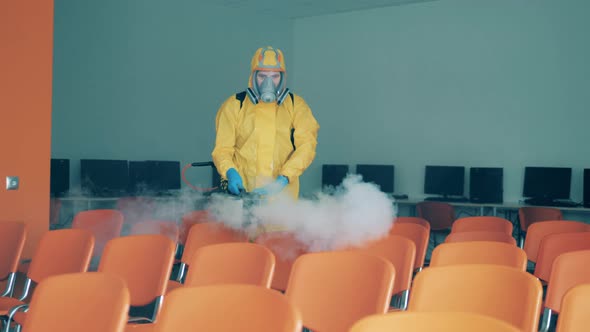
267,58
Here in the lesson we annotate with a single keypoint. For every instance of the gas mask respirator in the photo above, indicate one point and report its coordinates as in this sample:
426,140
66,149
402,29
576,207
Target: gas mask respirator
268,91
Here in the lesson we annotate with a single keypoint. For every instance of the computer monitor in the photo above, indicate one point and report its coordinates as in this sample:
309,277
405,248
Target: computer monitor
59,178
547,182
381,175
332,175
444,180
153,176
139,178
486,184
164,175
587,187
103,177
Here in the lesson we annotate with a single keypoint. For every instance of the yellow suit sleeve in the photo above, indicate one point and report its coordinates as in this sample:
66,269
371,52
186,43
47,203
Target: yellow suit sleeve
225,139
305,135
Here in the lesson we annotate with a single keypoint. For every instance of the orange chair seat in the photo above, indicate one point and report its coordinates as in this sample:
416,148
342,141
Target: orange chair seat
172,285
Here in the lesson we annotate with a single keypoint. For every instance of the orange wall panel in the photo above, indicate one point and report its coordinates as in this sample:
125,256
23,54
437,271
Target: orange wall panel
26,49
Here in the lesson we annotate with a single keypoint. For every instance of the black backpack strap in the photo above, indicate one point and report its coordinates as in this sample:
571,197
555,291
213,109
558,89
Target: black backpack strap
241,96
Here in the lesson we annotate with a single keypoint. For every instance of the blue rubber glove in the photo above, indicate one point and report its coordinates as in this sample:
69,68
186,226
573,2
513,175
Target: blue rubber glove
274,188
234,181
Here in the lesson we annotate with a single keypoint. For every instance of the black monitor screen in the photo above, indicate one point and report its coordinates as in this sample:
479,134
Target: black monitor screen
164,175
486,184
153,176
444,180
381,175
332,175
547,182
139,178
104,177
60,177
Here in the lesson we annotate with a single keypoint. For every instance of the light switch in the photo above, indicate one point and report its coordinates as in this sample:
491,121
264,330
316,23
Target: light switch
11,182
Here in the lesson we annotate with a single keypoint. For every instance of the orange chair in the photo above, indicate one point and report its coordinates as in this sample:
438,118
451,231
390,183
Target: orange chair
479,252
531,214
144,262
480,236
537,231
286,249
12,241
568,270
417,234
480,289
412,220
191,218
91,302
574,310
244,308
163,227
136,208
401,252
201,235
432,321
335,289
556,244
478,224
440,215
58,252
231,263
104,225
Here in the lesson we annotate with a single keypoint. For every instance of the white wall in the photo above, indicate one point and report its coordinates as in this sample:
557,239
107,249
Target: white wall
499,83
143,79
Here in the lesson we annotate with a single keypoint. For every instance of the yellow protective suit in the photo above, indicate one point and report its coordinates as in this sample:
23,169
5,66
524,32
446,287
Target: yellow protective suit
264,140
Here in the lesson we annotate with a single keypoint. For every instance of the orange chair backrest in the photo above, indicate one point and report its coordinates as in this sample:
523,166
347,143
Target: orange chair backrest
417,234
480,289
479,252
143,261
91,302
569,270
574,310
556,244
440,215
12,241
335,289
61,251
191,218
136,208
480,236
207,233
286,249
399,251
537,231
167,228
245,308
412,220
231,263
432,321
104,225
531,214
485,223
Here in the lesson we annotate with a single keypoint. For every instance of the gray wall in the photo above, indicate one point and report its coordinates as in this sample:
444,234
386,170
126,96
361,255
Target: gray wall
499,83
456,82
143,79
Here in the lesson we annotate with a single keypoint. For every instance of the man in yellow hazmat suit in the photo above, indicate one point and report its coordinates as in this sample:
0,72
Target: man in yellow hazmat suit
266,135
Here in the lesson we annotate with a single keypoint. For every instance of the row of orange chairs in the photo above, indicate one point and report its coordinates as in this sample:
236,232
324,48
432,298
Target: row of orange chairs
331,290
101,262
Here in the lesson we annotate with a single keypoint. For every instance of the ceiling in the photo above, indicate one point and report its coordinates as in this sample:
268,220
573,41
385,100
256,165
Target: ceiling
305,8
